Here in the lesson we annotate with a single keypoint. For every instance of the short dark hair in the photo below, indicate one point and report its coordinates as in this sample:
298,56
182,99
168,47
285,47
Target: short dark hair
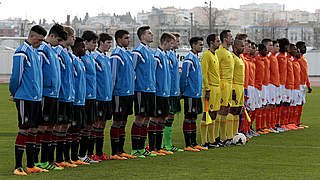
265,41
166,37
104,37
282,43
224,34
194,40
292,45
275,42
141,30
253,43
120,33
58,31
249,41
39,30
89,35
211,37
300,44
77,42
241,36
261,47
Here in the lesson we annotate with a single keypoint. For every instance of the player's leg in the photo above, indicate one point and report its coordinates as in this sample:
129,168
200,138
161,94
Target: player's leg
187,124
140,112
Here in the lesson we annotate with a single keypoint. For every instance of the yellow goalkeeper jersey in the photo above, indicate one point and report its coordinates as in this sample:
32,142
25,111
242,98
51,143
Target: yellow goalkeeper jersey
210,70
238,72
226,64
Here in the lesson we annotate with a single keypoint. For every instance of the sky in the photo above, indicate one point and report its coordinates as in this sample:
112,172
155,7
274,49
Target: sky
58,9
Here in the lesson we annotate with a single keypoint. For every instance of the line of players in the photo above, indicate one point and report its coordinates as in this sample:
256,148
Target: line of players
64,98
274,77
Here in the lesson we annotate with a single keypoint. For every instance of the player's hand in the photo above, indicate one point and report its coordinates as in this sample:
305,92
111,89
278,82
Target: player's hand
207,95
309,89
11,98
234,96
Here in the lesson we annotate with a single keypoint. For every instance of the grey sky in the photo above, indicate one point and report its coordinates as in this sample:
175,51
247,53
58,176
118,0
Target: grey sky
58,9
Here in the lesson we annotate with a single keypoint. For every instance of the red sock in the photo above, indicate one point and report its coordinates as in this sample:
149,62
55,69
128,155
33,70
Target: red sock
263,118
258,119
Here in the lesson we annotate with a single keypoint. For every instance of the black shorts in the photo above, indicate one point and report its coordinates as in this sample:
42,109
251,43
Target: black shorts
65,113
50,110
104,109
91,111
192,107
144,103
122,105
29,113
174,103
79,120
162,106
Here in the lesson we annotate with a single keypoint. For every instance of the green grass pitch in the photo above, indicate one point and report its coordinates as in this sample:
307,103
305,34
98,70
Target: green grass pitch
289,155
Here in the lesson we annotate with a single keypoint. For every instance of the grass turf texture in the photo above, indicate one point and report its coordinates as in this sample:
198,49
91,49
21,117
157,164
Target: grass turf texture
289,155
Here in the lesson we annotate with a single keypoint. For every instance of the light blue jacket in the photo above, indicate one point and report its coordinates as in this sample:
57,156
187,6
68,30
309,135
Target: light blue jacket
163,80
79,80
50,70
26,78
174,72
122,72
191,76
91,86
104,76
145,68
66,93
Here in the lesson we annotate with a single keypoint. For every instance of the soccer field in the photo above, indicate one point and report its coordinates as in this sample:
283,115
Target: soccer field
289,155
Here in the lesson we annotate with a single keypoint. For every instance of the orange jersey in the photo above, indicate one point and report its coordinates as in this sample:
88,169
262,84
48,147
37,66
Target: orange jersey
274,70
304,71
252,70
282,62
266,79
296,73
259,71
246,70
290,74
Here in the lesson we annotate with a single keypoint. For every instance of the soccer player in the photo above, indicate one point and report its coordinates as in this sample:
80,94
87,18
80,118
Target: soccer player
79,113
244,126
144,95
226,63
49,132
290,86
191,90
266,108
252,100
25,86
163,84
174,99
66,99
259,77
274,90
211,92
123,90
104,92
282,62
72,142
305,83
237,102
296,95
87,138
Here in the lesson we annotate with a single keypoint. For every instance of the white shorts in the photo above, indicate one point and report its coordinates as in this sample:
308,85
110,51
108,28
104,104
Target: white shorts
251,102
265,95
288,95
258,94
296,97
303,92
274,94
283,93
